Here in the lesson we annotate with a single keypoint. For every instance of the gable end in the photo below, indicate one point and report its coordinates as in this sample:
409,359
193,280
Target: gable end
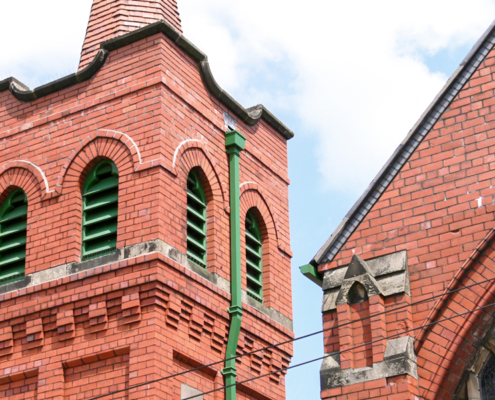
404,151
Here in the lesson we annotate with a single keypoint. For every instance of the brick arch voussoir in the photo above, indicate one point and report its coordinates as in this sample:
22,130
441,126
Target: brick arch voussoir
251,197
27,176
194,155
113,145
465,333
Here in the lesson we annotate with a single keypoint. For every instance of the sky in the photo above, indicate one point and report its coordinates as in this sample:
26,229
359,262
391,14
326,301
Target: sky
349,78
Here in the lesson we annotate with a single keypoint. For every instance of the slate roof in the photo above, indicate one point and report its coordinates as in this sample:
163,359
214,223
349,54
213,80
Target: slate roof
415,136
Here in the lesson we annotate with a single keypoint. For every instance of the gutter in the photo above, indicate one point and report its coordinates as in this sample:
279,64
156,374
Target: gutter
250,116
234,144
311,272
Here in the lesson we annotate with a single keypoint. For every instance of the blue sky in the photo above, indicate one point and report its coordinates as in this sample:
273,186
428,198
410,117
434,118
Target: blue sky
349,78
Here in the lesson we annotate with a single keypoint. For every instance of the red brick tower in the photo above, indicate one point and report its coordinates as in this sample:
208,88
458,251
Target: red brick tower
415,251
143,224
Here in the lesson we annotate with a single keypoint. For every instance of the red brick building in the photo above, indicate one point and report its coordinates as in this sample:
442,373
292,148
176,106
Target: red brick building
116,253
409,274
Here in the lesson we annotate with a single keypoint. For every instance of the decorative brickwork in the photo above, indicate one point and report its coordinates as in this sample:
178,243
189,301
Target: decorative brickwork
20,385
131,308
65,325
252,199
143,312
34,333
6,341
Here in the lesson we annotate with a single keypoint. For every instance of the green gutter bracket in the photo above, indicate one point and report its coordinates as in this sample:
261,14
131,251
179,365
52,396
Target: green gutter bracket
311,272
234,144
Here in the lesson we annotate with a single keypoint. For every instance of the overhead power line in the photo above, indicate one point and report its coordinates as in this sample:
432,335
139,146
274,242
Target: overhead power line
309,335
338,352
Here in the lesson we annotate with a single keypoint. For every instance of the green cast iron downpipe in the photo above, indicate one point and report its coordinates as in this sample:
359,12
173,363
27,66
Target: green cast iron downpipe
234,144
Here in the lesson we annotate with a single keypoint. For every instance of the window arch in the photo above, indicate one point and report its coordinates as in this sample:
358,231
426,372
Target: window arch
480,374
196,220
100,210
13,224
254,267
487,379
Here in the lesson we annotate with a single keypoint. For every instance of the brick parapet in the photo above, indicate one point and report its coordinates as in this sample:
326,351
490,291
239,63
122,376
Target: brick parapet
112,83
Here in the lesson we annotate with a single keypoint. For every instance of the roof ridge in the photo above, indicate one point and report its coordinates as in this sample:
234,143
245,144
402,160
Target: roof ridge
411,142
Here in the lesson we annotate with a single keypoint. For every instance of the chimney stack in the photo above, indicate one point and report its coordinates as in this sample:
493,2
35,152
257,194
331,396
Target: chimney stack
111,18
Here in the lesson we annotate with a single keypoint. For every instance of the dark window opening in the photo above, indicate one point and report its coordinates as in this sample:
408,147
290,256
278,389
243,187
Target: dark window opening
357,294
487,379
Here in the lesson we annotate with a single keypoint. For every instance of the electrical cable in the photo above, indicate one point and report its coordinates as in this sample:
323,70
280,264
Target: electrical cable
308,335
324,330
336,352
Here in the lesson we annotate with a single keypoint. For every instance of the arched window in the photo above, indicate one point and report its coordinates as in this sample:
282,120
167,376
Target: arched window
13,223
254,268
196,220
487,379
100,209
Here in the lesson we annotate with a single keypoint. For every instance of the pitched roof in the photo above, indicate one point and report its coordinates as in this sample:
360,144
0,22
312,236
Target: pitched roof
415,136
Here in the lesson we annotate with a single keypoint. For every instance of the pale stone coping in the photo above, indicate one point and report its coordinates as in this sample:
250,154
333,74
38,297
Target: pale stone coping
187,392
399,359
136,250
387,275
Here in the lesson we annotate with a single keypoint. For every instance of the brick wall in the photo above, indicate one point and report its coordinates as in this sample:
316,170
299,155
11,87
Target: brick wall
147,316
110,18
440,209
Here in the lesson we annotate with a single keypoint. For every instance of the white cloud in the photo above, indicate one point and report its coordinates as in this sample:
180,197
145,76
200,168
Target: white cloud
358,75
352,73
41,40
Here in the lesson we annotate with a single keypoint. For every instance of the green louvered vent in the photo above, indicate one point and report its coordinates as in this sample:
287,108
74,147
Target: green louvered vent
253,258
100,206
196,221
13,222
